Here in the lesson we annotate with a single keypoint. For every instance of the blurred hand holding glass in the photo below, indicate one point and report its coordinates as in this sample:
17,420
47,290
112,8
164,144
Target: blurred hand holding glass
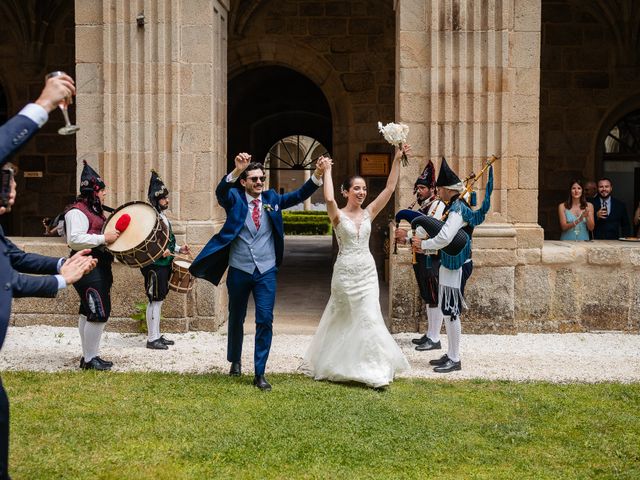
68,129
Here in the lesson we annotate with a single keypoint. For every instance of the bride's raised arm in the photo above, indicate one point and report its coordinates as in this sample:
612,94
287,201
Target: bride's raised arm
329,198
381,200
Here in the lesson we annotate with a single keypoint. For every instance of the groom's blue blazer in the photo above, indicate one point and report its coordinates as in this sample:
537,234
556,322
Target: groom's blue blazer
14,134
213,260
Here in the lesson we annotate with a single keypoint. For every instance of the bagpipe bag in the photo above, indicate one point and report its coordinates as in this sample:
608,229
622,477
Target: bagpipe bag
433,226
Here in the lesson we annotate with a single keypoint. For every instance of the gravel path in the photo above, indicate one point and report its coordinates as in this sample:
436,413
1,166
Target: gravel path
578,357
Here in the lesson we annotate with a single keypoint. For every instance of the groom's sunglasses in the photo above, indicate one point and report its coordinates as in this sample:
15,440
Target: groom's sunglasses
255,179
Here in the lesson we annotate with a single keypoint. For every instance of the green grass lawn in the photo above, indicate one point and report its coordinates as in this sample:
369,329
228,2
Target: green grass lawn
168,426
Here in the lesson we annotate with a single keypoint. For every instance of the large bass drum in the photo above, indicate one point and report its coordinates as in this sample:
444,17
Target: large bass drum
145,239
433,226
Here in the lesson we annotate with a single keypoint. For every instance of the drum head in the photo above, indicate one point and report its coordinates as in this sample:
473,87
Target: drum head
143,221
182,263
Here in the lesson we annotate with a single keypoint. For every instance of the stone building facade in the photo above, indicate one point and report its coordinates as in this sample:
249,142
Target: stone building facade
536,82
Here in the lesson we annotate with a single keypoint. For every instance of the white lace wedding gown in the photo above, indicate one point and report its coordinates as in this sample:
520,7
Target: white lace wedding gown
352,342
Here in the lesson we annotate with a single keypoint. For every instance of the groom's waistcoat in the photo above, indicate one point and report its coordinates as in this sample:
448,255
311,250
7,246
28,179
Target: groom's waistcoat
253,249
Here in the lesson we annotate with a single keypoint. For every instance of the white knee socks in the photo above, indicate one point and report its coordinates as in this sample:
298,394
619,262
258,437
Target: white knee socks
454,332
434,323
82,321
153,320
91,344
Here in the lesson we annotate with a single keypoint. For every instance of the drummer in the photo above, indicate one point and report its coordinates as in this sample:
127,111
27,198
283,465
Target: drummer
156,275
83,221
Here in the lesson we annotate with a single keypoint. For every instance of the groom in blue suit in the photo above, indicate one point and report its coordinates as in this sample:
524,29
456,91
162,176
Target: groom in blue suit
251,244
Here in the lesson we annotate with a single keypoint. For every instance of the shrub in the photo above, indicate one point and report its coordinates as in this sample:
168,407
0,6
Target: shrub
306,223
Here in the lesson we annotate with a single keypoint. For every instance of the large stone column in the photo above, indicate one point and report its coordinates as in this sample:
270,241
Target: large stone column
469,88
151,79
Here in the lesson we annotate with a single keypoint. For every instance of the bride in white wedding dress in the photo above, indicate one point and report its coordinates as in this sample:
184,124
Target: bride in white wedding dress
352,342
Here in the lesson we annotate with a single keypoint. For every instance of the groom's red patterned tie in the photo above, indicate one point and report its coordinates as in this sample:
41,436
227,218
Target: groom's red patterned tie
256,213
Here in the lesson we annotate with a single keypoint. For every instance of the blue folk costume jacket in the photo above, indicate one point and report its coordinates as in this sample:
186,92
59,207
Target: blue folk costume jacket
213,260
473,218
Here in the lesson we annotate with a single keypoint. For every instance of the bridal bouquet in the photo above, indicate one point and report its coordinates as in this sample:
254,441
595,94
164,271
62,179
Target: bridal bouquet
395,134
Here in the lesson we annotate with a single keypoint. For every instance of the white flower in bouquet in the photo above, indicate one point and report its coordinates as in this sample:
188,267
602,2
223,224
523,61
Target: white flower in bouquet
396,134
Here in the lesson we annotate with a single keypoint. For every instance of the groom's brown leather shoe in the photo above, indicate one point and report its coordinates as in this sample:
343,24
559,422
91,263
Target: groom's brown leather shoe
261,382
235,370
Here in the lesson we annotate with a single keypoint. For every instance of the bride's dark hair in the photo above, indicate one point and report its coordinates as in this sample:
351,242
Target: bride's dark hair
348,183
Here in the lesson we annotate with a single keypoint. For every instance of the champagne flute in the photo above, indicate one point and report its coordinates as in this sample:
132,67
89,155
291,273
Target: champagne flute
68,129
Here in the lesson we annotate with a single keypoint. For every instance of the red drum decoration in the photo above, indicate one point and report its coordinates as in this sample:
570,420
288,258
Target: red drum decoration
123,222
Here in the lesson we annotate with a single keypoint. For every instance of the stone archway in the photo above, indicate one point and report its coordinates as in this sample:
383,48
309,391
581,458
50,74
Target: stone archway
267,103
247,55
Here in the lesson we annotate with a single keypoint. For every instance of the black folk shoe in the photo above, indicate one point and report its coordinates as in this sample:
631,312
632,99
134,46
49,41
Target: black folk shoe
439,361
157,345
105,362
102,361
166,341
94,364
429,345
420,341
450,366
235,370
261,382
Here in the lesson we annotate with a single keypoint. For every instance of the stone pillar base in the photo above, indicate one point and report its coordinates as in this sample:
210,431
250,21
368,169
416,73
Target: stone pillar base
560,287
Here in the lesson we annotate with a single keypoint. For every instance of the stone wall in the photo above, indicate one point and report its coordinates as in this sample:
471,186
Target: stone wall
200,309
589,79
562,287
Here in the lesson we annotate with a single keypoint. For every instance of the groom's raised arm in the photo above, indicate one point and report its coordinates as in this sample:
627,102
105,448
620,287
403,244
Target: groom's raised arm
242,161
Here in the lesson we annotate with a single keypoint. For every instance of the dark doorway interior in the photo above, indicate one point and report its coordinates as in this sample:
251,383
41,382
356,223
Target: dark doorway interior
267,104
38,37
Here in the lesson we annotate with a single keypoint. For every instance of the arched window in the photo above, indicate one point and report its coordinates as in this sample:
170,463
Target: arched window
624,137
295,152
290,162
621,159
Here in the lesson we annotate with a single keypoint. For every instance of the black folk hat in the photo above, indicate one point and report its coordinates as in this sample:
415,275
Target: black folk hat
157,189
90,180
427,177
447,178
